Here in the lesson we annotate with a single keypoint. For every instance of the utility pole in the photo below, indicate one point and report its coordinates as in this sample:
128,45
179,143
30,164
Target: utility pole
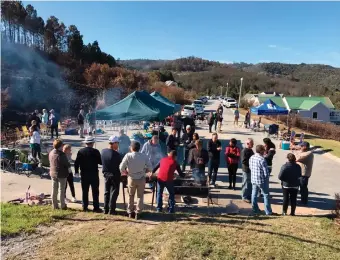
226,94
221,90
239,97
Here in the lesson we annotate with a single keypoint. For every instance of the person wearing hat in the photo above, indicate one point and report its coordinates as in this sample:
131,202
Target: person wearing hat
54,120
136,165
87,161
111,160
305,159
187,138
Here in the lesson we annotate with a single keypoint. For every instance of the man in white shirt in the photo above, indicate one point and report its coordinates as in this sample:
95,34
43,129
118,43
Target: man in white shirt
136,165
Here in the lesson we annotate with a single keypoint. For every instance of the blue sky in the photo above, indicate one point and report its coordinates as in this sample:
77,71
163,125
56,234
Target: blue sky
290,32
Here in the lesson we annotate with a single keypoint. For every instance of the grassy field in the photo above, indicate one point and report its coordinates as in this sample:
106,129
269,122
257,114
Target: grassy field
178,236
23,218
196,237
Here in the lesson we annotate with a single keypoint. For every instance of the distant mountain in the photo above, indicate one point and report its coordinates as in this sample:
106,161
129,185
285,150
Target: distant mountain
204,76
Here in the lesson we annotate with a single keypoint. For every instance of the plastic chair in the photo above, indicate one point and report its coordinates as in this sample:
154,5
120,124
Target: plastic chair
25,131
8,159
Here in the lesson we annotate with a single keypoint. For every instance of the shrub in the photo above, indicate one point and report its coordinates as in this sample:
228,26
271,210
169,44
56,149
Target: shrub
246,104
322,129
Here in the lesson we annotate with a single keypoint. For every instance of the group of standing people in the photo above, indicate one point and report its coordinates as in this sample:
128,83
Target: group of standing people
257,168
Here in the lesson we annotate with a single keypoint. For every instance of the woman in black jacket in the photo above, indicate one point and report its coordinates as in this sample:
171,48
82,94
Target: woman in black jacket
290,179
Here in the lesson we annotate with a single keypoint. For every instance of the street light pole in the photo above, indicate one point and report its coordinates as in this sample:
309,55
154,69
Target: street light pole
239,97
221,90
226,94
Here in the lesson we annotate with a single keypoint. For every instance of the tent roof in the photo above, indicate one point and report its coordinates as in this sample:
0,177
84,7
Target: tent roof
166,101
296,102
277,100
137,106
269,108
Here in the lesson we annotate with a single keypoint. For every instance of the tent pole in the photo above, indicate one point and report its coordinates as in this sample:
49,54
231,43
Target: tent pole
95,127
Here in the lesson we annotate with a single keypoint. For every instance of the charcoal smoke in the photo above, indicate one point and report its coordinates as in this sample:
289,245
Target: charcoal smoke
32,80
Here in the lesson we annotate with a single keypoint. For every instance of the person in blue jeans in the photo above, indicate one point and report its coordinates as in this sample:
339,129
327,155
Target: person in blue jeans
246,153
165,179
260,180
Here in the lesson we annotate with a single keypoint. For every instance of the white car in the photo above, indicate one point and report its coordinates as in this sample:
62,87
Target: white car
199,107
230,102
188,111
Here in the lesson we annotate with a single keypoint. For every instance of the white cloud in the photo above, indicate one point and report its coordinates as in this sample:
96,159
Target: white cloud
281,48
272,46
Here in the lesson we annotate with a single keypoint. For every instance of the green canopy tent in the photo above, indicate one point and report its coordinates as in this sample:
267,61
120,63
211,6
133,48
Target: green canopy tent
166,101
138,106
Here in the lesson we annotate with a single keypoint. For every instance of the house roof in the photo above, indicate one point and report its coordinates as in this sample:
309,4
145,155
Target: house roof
308,104
296,102
277,100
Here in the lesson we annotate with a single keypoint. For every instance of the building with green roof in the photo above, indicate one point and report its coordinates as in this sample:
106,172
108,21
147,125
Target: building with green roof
295,103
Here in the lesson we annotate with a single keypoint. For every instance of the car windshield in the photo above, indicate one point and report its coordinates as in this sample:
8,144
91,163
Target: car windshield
189,108
197,102
231,100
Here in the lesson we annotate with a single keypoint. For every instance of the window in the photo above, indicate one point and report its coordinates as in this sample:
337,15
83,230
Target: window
315,115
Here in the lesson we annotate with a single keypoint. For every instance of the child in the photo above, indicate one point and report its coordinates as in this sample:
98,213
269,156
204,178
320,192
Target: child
35,140
68,152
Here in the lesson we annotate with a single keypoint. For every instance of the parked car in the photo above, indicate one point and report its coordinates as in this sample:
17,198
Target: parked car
199,107
204,99
230,102
188,111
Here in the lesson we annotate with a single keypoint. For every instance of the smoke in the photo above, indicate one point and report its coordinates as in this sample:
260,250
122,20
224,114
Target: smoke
33,82
109,97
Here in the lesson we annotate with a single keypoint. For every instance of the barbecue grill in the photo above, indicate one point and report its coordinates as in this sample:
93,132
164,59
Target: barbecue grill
186,186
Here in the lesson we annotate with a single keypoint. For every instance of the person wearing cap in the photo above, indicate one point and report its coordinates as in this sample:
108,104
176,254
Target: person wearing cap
54,120
87,161
124,143
136,165
172,141
111,160
214,149
187,138
305,159
165,179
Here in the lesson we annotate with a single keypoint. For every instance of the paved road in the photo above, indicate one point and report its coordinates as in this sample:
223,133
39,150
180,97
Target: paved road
323,183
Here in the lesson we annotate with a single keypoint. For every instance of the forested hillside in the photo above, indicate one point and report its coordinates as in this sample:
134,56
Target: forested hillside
205,77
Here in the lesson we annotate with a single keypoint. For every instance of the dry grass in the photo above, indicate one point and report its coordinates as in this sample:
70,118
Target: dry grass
182,237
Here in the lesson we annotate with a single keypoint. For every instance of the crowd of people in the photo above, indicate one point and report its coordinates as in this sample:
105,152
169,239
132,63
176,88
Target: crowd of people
126,157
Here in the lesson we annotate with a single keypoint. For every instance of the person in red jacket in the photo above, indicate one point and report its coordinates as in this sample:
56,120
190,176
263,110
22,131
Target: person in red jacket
165,179
232,157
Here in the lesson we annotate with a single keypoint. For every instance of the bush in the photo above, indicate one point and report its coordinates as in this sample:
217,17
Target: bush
336,211
246,104
321,129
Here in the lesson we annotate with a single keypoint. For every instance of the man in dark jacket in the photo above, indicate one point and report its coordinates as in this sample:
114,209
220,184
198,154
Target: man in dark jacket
187,138
211,120
214,149
172,141
290,175
32,117
246,178
81,120
198,158
189,121
178,124
111,160
87,160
